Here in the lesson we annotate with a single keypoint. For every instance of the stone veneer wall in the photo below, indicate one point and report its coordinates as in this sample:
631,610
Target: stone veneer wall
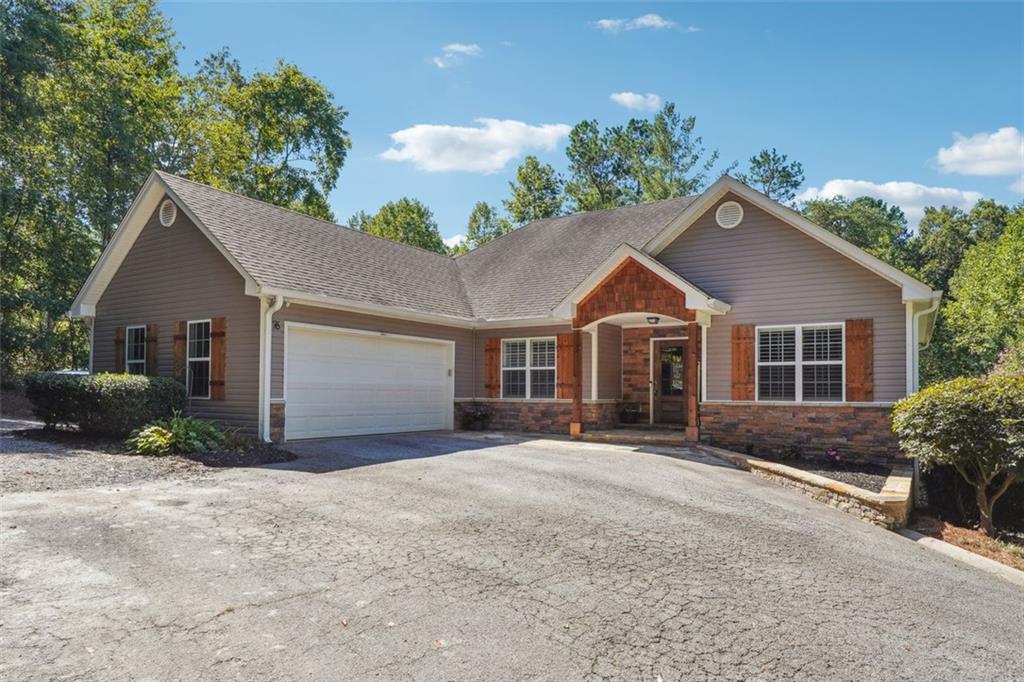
543,416
636,367
858,432
277,421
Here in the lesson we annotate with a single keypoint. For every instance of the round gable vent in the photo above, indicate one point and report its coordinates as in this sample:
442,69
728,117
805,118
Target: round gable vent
168,212
729,215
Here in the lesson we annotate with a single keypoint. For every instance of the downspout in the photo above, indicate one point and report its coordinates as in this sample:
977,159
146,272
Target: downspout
917,486
917,362
268,330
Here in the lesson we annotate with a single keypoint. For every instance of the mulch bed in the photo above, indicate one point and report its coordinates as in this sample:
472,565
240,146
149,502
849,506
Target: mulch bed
1009,553
256,455
862,475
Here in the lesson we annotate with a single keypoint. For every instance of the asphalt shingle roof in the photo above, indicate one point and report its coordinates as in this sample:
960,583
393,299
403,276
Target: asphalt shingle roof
523,274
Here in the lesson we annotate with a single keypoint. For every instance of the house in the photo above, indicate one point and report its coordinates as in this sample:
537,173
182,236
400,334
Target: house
727,314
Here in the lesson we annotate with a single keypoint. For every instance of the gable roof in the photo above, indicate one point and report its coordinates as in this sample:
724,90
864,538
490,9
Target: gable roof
527,274
913,289
529,271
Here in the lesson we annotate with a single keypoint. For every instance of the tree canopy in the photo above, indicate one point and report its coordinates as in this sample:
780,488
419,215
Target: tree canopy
535,194
871,224
407,221
92,100
485,224
774,175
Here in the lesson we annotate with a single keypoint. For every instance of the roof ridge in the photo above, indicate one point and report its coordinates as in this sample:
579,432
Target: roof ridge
572,215
301,214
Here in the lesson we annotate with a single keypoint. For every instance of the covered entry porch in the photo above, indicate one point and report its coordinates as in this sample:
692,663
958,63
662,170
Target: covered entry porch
663,321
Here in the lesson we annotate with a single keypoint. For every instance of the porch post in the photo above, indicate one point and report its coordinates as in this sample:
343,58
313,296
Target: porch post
692,404
576,427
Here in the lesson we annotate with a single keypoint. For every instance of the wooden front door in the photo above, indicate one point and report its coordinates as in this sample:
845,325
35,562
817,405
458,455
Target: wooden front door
669,382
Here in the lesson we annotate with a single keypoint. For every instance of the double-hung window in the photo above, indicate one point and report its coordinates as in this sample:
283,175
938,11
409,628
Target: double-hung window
198,380
135,350
800,363
528,368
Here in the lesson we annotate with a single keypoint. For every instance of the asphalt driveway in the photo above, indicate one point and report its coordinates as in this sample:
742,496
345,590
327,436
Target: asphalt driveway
438,557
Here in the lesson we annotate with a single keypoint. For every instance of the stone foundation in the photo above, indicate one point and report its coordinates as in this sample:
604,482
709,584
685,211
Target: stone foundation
277,422
859,432
543,416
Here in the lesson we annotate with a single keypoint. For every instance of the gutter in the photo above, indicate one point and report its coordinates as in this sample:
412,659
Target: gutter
928,311
268,331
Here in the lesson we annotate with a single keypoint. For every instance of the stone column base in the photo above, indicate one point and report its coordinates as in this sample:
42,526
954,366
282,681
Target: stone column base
277,421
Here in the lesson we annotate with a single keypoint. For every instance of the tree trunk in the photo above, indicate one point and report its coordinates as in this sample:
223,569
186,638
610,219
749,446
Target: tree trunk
984,509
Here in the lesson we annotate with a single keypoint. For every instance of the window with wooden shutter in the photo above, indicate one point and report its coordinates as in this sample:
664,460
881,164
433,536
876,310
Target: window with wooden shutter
218,358
180,349
492,367
152,350
860,360
743,362
565,368
119,350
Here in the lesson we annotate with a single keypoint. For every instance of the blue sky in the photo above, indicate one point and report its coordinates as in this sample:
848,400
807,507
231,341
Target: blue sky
916,103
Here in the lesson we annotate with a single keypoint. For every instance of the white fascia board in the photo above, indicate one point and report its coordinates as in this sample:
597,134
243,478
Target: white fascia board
142,207
303,298
912,288
695,297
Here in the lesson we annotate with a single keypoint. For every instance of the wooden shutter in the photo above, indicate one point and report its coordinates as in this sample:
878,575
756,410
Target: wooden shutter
152,349
743,362
860,360
218,357
565,366
119,350
492,367
180,348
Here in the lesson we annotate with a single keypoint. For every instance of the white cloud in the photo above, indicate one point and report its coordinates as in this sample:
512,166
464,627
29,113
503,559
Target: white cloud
485,148
651,21
910,196
454,240
453,53
1018,185
693,29
636,101
998,153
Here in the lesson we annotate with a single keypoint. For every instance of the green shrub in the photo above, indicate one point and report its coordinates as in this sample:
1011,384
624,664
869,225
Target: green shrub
103,404
54,396
151,440
975,425
183,435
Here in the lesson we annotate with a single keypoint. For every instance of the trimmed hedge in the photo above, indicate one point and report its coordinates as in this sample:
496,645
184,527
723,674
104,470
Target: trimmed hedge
103,404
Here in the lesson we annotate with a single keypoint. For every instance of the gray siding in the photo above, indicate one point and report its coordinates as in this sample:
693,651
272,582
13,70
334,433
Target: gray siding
772,273
609,360
173,274
463,339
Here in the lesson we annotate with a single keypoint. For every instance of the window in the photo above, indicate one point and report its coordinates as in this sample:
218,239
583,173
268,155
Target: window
800,363
198,379
135,350
528,368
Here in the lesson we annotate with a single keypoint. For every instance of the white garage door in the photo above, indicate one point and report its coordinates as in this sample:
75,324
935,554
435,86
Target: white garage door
344,383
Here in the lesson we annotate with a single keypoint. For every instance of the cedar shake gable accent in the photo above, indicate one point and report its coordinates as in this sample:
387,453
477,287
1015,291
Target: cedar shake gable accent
631,288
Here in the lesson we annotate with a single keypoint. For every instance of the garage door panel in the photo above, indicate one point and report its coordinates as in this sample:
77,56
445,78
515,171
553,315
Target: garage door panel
339,383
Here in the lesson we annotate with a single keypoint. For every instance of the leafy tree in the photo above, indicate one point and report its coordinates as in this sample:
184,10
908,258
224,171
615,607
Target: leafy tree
644,160
485,224
774,175
973,424
277,137
536,193
407,221
989,218
869,223
595,169
985,312
944,235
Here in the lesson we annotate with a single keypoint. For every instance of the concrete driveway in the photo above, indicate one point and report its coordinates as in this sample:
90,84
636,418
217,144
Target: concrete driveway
441,557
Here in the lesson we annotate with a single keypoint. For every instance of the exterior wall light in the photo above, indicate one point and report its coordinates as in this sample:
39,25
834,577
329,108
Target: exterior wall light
653,319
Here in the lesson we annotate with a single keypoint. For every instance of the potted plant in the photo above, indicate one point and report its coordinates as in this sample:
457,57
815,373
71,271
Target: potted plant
629,413
476,417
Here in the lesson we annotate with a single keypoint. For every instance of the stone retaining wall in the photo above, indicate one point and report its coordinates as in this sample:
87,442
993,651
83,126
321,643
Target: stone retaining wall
860,432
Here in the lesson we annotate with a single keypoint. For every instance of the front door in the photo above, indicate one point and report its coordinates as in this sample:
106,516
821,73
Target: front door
669,394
